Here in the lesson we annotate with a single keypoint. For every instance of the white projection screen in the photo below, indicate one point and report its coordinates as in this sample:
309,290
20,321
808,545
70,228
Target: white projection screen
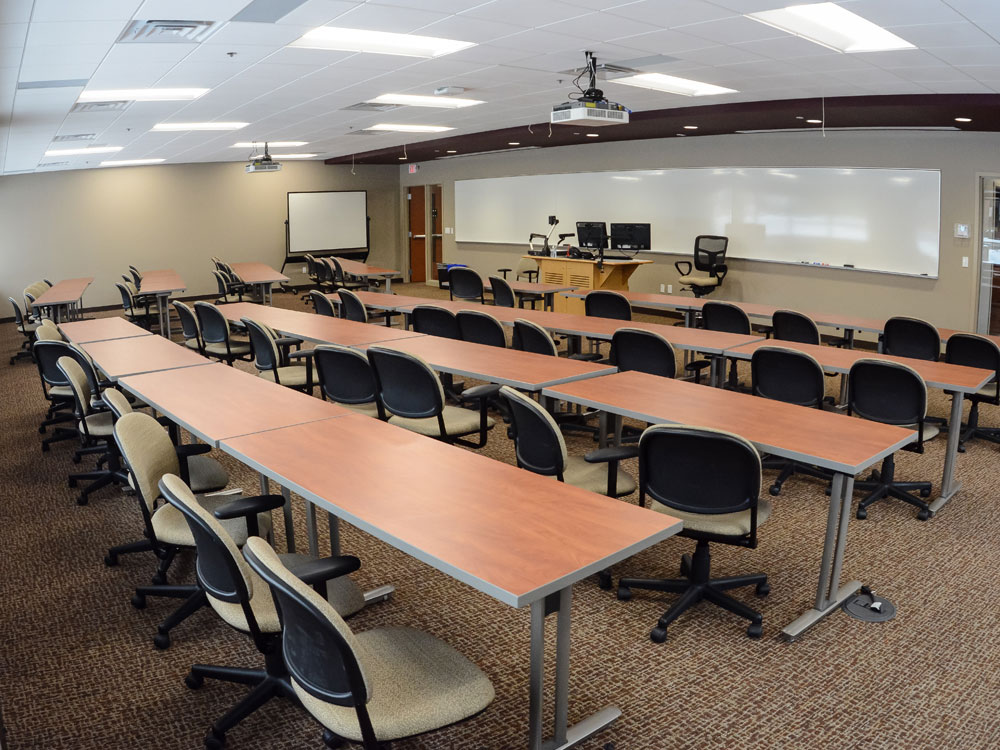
327,220
870,219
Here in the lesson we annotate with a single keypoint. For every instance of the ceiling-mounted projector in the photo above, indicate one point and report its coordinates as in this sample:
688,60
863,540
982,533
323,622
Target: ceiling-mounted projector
262,163
589,107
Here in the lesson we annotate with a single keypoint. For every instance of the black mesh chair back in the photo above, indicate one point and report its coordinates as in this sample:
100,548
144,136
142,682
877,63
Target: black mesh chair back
464,283
136,276
723,316
481,328
263,339
213,324
643,351
189,323
351,306
126,297
538,443
972,350
787,375
697,470
47,354
435,321
911,337
322,304
607,304
311,271
406,385
87,365
222,282
888,392
709,251
503,293
789,325
345,375
324,272
531,337
339,277
18,315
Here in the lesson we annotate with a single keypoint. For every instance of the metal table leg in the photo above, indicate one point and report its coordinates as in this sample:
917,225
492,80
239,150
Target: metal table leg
948,484
377,594
388,285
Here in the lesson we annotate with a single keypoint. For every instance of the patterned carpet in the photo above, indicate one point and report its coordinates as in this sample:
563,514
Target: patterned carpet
78,669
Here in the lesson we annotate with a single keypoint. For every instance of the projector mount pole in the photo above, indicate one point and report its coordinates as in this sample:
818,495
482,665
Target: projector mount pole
592,93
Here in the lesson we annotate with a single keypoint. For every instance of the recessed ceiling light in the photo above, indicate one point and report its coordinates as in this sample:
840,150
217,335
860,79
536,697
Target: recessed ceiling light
690,127
681,134
378,42
141,95
593,135
402,158
963,119
514,143
832,26
815,122
271,144
79,151
294,156
403,128
452,151
672,85
175,126
130,162
414,100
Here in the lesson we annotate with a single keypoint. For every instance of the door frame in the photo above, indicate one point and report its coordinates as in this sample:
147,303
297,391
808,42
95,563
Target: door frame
984,284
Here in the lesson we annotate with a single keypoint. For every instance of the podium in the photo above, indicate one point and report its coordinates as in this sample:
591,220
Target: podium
583,274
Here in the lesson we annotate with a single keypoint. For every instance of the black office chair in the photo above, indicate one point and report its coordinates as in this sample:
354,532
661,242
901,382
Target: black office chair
352,308
322,304
727,318
274,359
341,280
465,284
411,396
603,303
481,328
789,325
644,351
312,273
325,276
503,294
229,289
418,682
216,335
133,313
531,337
891,393
435,321
189,326
27,330
796,378
47,350
345,377
709,257
972,350
911,337
242,600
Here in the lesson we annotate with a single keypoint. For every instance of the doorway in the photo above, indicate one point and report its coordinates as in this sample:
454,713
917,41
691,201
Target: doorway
437,251
989,267
417,233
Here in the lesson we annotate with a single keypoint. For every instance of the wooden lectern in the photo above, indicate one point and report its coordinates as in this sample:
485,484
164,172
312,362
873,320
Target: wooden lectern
583,274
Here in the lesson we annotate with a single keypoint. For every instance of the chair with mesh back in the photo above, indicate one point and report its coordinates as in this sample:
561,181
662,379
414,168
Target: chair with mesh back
312,273
325,282
481,328
503,294
345,377
973,350
26,329
465,284
891,393
369,687
789,325
435,321
133,313
411,396
644,351
274,360
322,304
727,318
189,326
710,258
228,290
47,350
243,601
605,303
341,279
352,308
217,337
911,337
711,481
528,336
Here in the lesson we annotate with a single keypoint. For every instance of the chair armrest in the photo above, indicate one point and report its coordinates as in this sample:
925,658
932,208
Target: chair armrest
192,449
681,271
288,341
603,455
721,270
325,568
300,354
480,392
242,507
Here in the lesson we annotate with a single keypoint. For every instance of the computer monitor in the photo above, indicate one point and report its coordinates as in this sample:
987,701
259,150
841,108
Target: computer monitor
592,234
630,237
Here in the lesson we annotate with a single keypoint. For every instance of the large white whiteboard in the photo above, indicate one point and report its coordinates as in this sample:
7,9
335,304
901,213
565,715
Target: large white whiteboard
871,219
328,220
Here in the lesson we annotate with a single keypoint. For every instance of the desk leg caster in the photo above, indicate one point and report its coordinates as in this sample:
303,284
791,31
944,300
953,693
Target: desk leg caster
604,580
379,594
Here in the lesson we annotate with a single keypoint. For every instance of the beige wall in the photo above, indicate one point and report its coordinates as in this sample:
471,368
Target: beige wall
948,301
96,222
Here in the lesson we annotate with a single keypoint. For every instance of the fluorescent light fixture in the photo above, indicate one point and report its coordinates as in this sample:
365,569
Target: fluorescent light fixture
293,156
815,122
963,119
81,151
130,162
271,144
415,100
452,151
402,128
177,126
690,127
672,84
832,26
141,95
378,42
514,143
593,135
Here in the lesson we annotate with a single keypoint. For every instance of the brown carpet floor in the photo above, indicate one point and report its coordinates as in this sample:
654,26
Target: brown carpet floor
78,669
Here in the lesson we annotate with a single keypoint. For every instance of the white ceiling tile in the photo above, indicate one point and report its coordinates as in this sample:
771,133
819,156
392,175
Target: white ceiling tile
128,76
76,32
720,55
664,42
957,87
91,10
899,12
190,10
468,29
926,36
41,55
904,58
598,26
787,48
672,14
57,71
17,11
388,18
10,57
239,32
963,56
313,58
538,12
142,54
733,30
319,12
13,34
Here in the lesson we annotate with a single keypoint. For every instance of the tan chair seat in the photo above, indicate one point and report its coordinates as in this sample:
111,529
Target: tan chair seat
27,327
62,391
699,280
228,298
726,524
191,344
369,410
989,390
418,684
171,528
100,424
594,477
931,431
237,348
207,474
457,421
290,375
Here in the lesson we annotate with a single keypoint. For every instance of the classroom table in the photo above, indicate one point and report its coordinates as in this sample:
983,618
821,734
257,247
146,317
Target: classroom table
525,544
101,329
320,329
954,379
365,271
831,440
161,284
548,291
66,294
120,358
261,276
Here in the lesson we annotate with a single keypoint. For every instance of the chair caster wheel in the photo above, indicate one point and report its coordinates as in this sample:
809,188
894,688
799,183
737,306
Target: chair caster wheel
82,500
774,490
332,741
924,514
159,579
111,560
624,594
763,589
685,565
45,447
604,580
755,630
862,514
828,490
215,740
139,601
41,430
658,635
961,449
72,482
162,641
76,458
194,681
925,493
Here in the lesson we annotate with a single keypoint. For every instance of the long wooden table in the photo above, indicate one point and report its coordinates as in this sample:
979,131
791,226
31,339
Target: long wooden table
955,379
66,294
101,329
161,284
261,276
365,271
548,291
426,498
832,440
120,358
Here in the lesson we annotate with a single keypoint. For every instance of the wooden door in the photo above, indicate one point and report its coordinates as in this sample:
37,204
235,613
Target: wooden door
437,252
417,234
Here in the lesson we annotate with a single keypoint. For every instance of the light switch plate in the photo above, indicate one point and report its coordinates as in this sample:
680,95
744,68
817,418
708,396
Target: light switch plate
965,261
962,231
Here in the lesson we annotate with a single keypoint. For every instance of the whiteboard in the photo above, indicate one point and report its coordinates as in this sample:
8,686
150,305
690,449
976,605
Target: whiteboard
870,219
328,220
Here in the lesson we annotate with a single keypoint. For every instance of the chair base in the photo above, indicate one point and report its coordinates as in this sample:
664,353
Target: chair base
882,484
697,585
194,599
972,430
789,469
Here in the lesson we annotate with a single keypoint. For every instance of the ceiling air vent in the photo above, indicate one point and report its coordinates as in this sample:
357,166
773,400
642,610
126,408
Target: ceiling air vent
115,106
167,32
74,137
53,164
371,107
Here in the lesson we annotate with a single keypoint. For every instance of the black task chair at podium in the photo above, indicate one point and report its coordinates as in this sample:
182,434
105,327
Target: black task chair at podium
709,257
972,350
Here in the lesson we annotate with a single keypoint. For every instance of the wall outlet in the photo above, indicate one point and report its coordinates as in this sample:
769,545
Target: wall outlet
670,288
965,261
663,288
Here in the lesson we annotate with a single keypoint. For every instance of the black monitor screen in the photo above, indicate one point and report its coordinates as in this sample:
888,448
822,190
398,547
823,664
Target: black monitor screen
630,237
592,234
